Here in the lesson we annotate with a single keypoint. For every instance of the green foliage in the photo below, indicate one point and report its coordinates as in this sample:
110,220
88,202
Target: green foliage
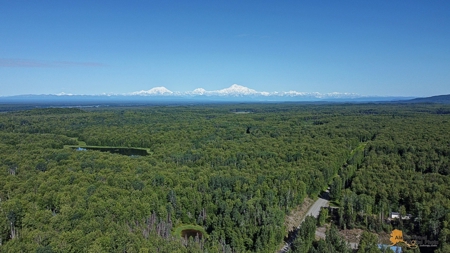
305,237
368,243
334,243
336,188
234,175
45,249
323,215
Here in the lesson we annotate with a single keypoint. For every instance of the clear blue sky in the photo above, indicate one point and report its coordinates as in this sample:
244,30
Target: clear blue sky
92,47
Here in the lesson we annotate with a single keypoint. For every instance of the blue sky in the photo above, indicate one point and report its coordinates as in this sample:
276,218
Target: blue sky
397,48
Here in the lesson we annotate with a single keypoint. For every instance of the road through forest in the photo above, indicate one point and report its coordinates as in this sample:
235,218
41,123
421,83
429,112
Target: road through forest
314,210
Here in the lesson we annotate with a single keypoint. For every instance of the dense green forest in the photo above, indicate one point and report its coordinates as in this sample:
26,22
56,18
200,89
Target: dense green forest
235,171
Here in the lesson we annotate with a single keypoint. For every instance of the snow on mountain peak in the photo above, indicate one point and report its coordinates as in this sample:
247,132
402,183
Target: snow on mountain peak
236,89
154,91
64,94
199,91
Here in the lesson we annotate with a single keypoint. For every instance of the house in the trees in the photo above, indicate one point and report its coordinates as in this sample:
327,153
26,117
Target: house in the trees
396,215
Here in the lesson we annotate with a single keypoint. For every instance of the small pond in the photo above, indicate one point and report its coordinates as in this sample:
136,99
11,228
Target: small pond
116,150
186,233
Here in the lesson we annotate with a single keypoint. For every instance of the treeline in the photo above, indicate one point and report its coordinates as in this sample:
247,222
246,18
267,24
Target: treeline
236,175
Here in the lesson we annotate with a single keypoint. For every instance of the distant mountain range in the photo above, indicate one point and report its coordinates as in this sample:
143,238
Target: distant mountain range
236,90
234,93
441,99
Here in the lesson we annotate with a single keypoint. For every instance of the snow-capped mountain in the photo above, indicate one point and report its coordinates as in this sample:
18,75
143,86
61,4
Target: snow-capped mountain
198,91
153,91
236,90
233,93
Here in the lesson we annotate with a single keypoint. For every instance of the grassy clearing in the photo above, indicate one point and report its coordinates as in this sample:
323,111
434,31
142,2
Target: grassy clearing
80,143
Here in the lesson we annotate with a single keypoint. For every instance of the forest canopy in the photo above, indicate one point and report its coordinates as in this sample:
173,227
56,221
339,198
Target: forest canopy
235,175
